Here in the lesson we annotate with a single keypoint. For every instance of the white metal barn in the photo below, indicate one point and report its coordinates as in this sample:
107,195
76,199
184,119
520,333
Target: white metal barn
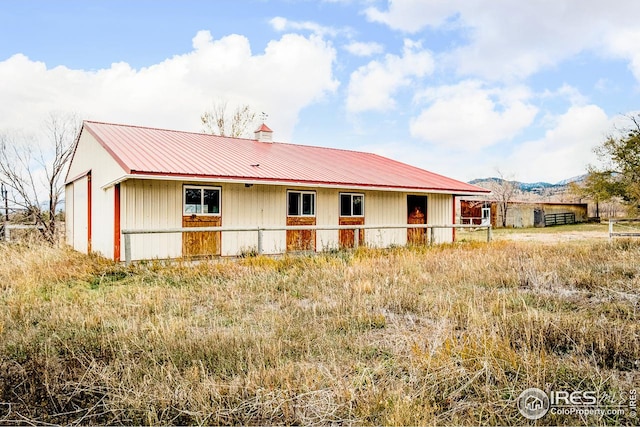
132,178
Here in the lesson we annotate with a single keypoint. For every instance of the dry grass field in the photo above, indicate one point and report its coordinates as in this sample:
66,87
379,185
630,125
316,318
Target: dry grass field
439,336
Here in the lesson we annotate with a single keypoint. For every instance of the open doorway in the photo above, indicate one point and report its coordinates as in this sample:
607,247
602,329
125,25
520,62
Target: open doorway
416,214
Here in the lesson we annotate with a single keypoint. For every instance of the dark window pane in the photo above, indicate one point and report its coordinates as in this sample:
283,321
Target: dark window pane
345,205
294,204
192,200
357,205
212,201
307,204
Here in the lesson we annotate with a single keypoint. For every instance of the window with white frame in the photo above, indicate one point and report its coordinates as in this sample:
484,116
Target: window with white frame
301,203
201,200
351,204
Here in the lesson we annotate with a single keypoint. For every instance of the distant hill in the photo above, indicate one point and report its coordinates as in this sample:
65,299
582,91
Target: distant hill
534,189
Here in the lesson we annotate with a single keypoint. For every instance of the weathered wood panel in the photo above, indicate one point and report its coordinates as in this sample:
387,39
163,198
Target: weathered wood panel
201,243
301,240
347,236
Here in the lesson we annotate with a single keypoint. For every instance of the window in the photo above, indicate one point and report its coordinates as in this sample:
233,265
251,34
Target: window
201,200
301,203
351,204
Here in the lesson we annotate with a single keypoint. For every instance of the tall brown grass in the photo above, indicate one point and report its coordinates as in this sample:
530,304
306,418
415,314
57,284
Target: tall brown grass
406,336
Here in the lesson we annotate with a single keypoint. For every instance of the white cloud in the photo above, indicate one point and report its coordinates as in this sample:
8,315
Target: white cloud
569,92
290,74
412,15
514,39
565,150
281,24
467,116
364,49
626,44
372,86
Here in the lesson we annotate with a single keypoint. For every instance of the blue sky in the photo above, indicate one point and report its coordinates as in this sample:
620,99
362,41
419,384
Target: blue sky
457,87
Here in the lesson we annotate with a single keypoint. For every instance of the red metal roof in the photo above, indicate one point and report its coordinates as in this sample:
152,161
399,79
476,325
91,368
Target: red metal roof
142,150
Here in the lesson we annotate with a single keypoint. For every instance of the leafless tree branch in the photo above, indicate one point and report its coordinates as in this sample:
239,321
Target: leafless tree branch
219,121
32,170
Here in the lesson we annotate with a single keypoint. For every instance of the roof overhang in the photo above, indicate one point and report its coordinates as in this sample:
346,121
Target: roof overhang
77,177
290,183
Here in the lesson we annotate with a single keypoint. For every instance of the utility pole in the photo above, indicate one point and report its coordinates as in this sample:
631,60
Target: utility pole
3,193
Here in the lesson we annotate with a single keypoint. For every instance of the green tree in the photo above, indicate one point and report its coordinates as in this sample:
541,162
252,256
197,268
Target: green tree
597,187
620,174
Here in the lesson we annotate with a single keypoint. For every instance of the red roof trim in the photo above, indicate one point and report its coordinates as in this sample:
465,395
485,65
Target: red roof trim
122,164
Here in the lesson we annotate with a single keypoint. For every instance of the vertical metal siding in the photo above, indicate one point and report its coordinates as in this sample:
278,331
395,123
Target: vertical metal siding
152,204
68,192
80,215
254,206
102,219
385,207
439,212
327,213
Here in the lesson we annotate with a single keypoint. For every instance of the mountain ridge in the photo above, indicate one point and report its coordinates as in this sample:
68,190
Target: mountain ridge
540,188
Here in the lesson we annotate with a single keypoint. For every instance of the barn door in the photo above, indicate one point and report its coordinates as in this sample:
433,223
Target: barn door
538,217
201,209
416,214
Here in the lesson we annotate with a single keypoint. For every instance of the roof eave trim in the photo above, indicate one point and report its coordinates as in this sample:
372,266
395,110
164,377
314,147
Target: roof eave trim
77,177
290,183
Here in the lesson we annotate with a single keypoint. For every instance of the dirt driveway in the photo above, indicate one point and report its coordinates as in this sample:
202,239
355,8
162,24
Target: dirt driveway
554,237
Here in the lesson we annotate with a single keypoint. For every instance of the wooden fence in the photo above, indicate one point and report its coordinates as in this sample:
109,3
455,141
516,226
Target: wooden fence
559,219
630,227
6,229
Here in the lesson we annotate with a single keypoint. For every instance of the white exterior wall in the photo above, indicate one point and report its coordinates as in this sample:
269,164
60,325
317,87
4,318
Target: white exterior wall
255,206
385,208
151,204
79,204
158,204
91,156
69,218
327,213
440,212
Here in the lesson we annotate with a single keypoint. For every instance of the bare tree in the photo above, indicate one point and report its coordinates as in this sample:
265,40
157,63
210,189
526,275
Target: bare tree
33,170
219,121
503,191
